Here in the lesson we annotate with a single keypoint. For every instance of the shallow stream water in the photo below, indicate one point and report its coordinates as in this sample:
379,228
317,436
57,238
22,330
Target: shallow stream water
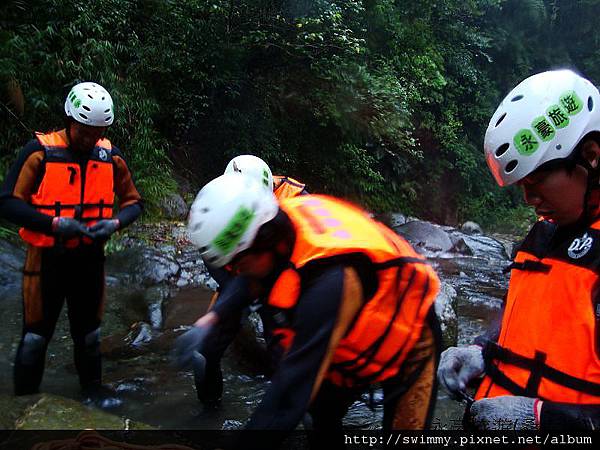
136,361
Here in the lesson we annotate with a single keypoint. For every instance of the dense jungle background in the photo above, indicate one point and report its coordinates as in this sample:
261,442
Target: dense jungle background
383,102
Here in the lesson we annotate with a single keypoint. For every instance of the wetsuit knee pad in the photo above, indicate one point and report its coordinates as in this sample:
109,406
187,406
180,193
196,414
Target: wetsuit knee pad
92,338
33,348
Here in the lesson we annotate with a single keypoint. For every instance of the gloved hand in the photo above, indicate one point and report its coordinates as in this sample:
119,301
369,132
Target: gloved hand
458,366
103,229
507,412
188,346
67,227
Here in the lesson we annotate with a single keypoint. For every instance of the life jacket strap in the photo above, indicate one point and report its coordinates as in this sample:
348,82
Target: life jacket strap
538,369
528,265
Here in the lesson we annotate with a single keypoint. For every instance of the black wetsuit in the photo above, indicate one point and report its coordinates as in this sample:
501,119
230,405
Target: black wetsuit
55,274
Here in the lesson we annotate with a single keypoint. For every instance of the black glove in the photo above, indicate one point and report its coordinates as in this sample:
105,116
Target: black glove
186,351
67,227
103,229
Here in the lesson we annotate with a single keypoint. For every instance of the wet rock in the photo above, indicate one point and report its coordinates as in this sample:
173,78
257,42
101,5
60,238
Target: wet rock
158,269
397,219
250,349
139,339
471,228
143,266
193,270
140,335
11,256
510,243
186,307
11,265
52,412
155,297
460,246
173,207
232,425
11,408
426,235
479,246
445,310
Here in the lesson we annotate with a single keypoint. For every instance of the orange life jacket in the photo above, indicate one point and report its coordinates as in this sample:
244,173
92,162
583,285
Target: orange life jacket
550,337
392,318
286,187
64,191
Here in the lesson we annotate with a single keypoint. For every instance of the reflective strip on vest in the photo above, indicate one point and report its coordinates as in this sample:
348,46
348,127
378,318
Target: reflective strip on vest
60,191
548,344
285,187
392,319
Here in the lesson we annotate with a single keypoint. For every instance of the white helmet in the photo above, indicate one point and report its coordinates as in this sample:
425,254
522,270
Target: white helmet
540,120
226,215
90,104
252,166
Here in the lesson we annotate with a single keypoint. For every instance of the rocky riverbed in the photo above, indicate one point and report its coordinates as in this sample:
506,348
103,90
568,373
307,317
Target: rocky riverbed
157,285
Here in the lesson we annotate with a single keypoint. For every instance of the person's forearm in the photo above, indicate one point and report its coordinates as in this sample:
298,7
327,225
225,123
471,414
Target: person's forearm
234,296
128,214
566,416
20,213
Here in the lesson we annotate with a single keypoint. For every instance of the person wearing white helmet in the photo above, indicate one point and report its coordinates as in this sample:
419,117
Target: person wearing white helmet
61,190
236,299
541,368
348,300
282,186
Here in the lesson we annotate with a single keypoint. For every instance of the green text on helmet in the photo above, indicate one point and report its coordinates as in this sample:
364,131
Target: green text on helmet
541,119
557,117
229,237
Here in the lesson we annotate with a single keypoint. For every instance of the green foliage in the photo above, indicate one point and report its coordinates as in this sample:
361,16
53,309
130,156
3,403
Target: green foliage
49,46
379,101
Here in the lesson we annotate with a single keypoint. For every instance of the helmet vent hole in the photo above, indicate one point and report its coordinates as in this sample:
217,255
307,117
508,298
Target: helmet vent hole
90,96
87,108
106,111
517,98
108,119
103,98
512,165
500,119
590,104
203,249
204,210
558,147
501,150
83,116
197,226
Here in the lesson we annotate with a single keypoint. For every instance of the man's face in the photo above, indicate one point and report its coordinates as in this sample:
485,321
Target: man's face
556,194
84,137
254,264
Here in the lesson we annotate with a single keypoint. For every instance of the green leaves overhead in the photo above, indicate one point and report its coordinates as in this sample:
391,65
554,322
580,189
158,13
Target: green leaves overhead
381,101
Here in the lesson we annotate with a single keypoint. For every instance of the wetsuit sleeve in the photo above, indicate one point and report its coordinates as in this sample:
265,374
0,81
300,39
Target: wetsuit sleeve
567,416
219,274
234,296
21,183
299,374
130,200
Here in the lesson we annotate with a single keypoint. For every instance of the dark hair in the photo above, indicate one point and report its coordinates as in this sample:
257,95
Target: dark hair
272,232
